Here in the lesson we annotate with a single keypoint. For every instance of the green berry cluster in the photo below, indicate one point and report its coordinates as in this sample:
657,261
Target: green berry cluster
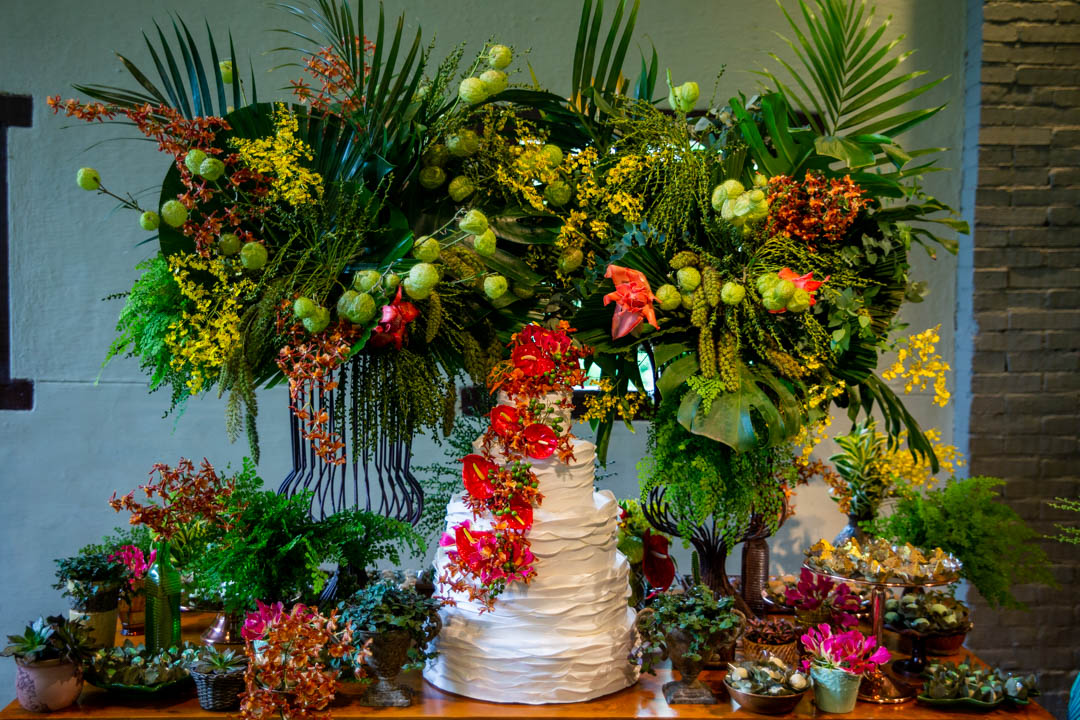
727,357
683,259
707,352
710,281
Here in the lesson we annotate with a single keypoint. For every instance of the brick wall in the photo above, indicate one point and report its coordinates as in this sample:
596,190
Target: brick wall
1025,380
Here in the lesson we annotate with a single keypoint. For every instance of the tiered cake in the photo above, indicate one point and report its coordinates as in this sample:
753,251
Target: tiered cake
567,635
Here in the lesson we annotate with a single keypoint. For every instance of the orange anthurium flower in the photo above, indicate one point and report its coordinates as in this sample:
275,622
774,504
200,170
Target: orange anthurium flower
633,300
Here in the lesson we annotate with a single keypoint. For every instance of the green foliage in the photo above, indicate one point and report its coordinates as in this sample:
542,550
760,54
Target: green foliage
1066,533
50,638
859,463
151,307
90,578
442,479
702,478
966,519
273,550
384,606
214,661
705,618
133,666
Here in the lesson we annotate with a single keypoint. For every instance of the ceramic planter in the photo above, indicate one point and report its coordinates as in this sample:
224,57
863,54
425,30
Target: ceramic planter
835,691
47,686
102,626
945,644
688,690
389,652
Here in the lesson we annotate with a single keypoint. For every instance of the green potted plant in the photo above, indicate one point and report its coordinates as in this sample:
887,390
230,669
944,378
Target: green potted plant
769,686
934,617
48,661
137,669
837,663
686,627
995,547
219,677
92,579
400,623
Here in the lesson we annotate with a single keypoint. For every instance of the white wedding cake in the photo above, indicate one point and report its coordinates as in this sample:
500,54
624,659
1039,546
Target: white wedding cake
567,635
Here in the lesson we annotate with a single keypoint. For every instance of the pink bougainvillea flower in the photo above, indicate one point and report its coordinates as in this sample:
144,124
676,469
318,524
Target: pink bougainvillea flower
540,441
505,420
477,472
633,300
392,327
656,563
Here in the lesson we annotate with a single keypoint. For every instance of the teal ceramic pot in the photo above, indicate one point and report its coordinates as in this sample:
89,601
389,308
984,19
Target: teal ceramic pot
835,691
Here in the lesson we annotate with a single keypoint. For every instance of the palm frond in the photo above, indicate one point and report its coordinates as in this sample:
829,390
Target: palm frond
847,83
597,80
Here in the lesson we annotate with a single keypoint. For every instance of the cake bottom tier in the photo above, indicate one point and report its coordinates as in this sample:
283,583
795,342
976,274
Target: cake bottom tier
482,658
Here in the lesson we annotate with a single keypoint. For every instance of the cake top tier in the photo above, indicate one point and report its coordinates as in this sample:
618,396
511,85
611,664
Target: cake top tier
552,406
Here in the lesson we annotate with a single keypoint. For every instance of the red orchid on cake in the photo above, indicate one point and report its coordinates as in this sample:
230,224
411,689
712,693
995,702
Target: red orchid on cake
530,423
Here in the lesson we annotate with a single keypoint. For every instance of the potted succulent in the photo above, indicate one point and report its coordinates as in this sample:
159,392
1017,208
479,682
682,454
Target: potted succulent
219,678
92,580
770,687
837,664
400,624
968,683
776,637
48,661
136,669
935,619
687,627
817,599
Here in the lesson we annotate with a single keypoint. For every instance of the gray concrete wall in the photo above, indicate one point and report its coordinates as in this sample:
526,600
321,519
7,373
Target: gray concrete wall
87,437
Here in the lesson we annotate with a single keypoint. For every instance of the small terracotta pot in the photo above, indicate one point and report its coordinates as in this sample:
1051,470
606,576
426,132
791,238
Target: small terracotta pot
47,686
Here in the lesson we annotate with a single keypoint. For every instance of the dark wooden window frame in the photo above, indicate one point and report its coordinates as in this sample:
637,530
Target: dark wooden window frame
15,394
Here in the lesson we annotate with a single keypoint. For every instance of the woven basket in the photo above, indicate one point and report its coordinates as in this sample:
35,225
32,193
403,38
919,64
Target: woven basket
219,692
788,652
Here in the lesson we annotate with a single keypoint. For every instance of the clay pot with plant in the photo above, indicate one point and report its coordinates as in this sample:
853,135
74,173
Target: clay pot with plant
48,660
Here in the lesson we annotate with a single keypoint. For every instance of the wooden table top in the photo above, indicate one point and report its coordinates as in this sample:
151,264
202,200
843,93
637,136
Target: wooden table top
643,700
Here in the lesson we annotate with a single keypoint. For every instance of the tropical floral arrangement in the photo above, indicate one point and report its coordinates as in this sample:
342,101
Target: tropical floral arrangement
289,655
816,595
850,651
185,496
652,568
531,424
756,253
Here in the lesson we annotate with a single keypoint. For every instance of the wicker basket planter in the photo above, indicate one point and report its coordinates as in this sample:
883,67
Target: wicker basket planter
219,692
788,652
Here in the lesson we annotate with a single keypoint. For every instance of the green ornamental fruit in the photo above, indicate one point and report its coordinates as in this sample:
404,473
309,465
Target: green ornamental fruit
727,190
414,291
193,160
228,244
799,302
732,293
557,193
174,213
253,255
435,156
474,223
365,280
391,281
938,609
554,155
423,276
432,177
784,290
688,301
317,321
892,617
633,547
571,260
464,144
683,97
760,180
772,301
344,304
742,206
688,278
494,81
765,282
426,249
668,296
460,188
495,286
472,91
225,67
149,221
484,244
211,169
362,309
304,307
88,178
499,56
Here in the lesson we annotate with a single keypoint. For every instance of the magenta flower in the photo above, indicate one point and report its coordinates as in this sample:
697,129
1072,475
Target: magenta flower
813,591
256,623
850,651
136,563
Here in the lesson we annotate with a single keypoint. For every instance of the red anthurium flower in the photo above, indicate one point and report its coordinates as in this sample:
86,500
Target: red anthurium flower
553,343
656,564
531,359
540,441
392,326
477,474
505,420
803,282
521,514
633,300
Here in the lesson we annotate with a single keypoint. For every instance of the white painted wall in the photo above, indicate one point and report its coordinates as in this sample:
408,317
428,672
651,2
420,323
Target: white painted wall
84,439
